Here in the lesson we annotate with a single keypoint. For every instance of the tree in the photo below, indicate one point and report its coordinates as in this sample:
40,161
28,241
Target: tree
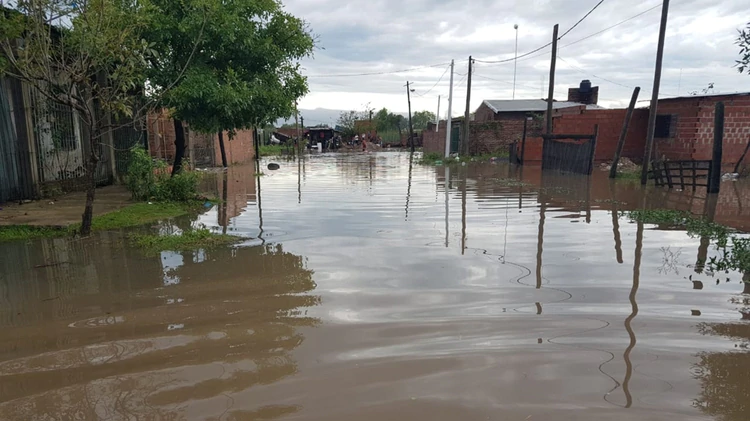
743,40
243,73
346,122
88,56
420,119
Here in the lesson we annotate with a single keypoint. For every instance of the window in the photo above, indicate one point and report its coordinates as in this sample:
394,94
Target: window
664,126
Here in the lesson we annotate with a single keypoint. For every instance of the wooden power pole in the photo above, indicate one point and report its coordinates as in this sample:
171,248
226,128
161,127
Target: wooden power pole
411,129
655,94
467,114
624,132
551,92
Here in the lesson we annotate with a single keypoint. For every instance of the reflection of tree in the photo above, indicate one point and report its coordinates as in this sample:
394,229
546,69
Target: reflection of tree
235,319
723,375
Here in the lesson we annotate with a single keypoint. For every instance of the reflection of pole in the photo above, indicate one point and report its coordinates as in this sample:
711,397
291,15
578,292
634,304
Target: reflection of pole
709,213
616,222
447,178
299,179
260,206
463,212
408,185
223,218
633,313
540,243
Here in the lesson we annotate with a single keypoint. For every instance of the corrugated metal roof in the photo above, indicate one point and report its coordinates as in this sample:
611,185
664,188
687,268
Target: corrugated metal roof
525,105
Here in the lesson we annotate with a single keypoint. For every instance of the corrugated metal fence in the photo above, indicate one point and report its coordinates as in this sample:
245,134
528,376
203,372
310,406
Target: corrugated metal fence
58,150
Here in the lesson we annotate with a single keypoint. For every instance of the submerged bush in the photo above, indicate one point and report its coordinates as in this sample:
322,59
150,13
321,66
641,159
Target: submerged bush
148,179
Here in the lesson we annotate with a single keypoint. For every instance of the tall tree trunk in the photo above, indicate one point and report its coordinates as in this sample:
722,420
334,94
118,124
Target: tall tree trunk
88,211
179,145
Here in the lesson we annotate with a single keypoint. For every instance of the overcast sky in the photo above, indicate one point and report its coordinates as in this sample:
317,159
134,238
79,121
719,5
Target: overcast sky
387,35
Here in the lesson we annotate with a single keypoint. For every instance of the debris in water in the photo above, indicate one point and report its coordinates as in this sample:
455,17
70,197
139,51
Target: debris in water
273,166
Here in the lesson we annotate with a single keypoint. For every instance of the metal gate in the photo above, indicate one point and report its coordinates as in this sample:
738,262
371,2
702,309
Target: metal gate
569,152
455,138
16,181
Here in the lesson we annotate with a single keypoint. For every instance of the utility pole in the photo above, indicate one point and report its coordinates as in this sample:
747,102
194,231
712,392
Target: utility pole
551,92
448,123
467,114
515,62
624,133
296,123
411,129
655,94
437,117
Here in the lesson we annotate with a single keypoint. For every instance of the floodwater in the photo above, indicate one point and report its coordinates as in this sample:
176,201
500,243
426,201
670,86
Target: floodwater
373,289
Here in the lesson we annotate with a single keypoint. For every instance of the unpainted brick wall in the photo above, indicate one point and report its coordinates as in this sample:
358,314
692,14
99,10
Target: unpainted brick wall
161,137
610,126
693,138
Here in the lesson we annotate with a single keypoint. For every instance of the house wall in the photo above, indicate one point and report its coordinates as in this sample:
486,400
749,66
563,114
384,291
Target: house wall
691,136
161,138
610,125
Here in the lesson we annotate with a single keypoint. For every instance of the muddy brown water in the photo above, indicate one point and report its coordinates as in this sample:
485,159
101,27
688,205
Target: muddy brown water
370,291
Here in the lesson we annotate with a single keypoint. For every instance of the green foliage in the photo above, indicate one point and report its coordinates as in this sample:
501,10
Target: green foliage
695,226
141,179
237,62
736,257
148,179
272,150
743,41
387,121
346,122
420,119
188,240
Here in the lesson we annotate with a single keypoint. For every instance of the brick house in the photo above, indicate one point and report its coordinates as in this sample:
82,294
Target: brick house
499,123
684,129
202,150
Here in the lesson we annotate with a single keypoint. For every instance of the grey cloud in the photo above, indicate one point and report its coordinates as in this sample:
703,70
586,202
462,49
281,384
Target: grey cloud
386,35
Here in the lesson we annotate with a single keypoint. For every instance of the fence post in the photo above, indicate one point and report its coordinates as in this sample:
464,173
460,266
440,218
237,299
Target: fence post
624,133
593,149
714,180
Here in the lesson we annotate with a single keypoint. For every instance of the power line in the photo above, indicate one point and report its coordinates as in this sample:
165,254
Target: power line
581,20
613,26
582,71
436,83
381,73
504,81
573,42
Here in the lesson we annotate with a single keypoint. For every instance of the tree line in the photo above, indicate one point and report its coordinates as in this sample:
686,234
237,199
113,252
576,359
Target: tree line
216,66
384,120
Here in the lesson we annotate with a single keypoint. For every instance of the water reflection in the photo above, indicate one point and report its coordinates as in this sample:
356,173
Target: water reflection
129,348
523,312
725,385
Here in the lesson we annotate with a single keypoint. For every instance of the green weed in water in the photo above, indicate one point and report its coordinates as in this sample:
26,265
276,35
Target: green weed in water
27,232
188,240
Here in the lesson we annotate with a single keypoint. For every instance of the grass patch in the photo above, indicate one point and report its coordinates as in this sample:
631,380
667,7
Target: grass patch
188,240
141,214
272,150
27,232
131,216
631,175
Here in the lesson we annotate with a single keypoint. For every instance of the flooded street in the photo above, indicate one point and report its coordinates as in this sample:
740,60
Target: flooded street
372,288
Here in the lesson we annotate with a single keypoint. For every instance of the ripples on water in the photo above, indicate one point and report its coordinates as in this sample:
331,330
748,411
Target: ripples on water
372,288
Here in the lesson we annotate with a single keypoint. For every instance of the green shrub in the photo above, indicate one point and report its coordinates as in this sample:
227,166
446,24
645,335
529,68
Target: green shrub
181,187
148,179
